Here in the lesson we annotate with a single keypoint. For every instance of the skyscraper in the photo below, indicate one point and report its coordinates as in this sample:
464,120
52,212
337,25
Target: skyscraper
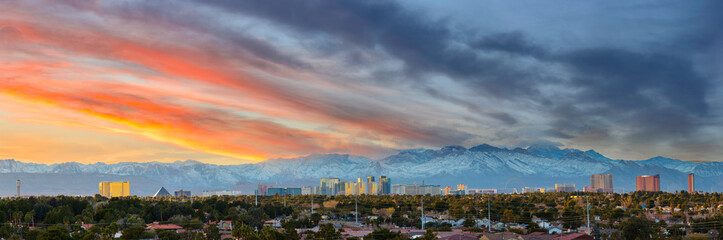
691,183
329,186
564,187
648,183
372,187
385,186
114,189
601,183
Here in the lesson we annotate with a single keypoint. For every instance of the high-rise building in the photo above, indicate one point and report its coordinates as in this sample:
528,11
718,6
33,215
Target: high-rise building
462,187
397,189
283,191
528,190
447,190
329,186
261,189
691,183
601,183
430,189
308,190
350,188
181,193
372,188
481,191
385,186
413,189
18,183
564,187
648,183
114,189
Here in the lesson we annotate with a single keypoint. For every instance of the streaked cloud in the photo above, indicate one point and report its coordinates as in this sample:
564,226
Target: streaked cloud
236,81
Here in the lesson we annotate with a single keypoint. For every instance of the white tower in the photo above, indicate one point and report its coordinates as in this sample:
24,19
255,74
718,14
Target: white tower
18,183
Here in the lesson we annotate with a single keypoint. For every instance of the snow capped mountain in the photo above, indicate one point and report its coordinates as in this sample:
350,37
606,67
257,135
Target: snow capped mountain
480,166
676,164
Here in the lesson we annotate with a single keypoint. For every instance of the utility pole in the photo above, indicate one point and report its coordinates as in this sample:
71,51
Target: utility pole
257,198
489,216
422,211
476,222
356,211
588,213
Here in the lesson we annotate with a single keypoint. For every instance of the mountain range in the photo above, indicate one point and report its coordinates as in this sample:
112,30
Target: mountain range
482,166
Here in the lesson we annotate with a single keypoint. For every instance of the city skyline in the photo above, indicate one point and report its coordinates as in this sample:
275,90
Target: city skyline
361,119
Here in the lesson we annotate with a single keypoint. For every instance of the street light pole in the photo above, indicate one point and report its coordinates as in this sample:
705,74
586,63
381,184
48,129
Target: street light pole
422,212
489,216
588,213
356,211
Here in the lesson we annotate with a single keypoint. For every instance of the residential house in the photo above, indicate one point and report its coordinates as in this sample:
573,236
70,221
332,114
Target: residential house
500,236
575,236
459,237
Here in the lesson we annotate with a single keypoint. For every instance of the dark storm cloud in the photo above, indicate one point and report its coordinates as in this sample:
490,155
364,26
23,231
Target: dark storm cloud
626,80
512,42
425,46
655,93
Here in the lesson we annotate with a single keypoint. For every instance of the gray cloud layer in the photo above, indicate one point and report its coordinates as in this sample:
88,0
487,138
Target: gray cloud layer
652,94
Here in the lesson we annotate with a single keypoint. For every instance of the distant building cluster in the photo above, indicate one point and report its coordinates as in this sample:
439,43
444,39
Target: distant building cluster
599,183
368,186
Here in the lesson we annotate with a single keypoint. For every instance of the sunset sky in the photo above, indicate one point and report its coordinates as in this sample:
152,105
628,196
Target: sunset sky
230,82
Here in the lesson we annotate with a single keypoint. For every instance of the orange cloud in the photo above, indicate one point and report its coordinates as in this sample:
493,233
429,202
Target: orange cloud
187,95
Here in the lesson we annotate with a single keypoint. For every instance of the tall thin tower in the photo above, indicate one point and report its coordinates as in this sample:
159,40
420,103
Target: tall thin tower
18,183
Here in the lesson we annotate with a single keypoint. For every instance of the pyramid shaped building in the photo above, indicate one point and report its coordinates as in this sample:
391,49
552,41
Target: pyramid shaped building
162,193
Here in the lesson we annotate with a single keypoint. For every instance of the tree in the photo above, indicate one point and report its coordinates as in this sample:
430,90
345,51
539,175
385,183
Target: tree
133,232
290,232
212,232
508,216
244,231
268,233
315,218
60,215
534,227
56,233
193,224
34,234
328,232
469,223
429,235
382,234
134,221
637,228
167,235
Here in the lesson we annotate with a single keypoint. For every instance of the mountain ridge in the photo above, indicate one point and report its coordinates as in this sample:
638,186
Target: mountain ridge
481,166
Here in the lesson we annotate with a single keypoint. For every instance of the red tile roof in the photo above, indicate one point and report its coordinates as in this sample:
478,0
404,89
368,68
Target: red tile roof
164,227
459,237
575,236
